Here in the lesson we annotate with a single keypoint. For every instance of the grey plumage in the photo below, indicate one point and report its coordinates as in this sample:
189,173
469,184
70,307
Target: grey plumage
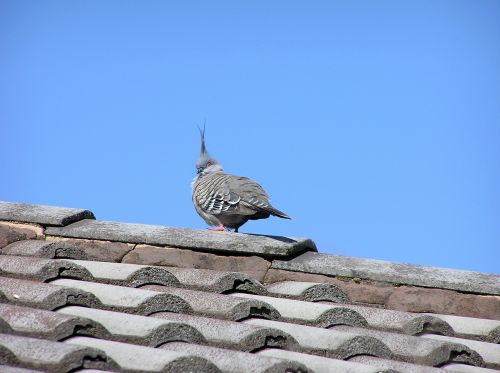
227,200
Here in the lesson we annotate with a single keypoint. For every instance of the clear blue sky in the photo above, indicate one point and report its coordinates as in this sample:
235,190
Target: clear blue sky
374,124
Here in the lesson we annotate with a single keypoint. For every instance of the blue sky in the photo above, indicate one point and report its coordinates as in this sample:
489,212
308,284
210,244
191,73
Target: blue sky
375,125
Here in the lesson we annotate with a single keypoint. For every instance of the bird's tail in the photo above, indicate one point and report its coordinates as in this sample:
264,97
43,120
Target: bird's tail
276,212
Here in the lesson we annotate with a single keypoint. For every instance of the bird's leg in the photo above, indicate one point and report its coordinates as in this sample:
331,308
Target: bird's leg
220,228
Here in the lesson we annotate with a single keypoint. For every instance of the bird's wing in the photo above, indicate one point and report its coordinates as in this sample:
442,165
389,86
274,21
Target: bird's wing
249,191
253,197
214,196
222,194
234,195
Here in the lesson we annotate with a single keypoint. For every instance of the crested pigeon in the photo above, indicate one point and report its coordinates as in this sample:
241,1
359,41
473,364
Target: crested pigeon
224,200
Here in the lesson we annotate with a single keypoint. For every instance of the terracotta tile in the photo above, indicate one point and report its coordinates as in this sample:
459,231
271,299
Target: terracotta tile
11,233
37,229
254,266
416,299
105,251
361,292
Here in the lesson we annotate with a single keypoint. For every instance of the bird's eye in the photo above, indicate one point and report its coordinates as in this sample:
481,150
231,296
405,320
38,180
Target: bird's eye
209,164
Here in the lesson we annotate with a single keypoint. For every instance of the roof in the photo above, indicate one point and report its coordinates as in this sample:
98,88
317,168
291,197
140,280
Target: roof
80,294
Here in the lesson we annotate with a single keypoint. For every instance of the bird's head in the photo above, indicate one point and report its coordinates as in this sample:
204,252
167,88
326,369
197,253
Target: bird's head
205,164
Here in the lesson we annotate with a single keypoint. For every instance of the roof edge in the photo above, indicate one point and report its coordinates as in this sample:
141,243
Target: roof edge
392,272
42,214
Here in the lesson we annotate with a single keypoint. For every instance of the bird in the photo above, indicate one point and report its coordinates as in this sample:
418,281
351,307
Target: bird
227,201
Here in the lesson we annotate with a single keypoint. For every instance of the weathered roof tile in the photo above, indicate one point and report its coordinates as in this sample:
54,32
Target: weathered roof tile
402,322
132,358
44,215
326,315
308,291
135,329
133,275
9,234
253,265
442,301
394,365
234,335
216,281
71,249
379,270
418,350
320,364
317,314
218,305
27,267
34,231
47,355
40,295
399,366
490,352
469,327
131,300
7,369
125,274
326,342
42,269
235,361
463,368
203,240
32,322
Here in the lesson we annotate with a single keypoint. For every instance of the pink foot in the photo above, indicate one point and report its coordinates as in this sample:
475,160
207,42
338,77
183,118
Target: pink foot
220,228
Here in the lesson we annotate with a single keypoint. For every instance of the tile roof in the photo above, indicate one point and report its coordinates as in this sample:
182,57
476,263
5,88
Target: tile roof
83,295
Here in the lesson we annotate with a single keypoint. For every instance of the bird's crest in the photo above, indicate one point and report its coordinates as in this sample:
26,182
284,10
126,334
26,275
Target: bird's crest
202,134
204,159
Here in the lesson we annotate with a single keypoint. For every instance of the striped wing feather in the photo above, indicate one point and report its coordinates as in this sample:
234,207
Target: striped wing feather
234,195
